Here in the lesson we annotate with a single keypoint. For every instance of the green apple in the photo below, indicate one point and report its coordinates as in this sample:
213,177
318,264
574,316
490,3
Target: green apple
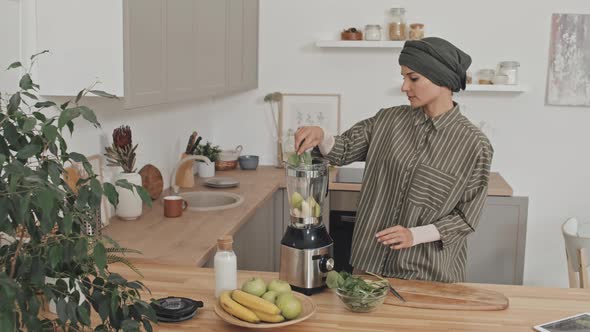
270,296
279,286
290,307
317,211
254,286
296,200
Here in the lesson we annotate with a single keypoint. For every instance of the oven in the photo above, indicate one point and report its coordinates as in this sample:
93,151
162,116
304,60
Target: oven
343,207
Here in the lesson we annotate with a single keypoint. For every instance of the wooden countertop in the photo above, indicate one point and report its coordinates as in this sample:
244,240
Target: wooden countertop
191,239
529,306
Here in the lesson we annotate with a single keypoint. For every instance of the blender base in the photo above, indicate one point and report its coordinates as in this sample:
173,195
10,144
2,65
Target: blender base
308,291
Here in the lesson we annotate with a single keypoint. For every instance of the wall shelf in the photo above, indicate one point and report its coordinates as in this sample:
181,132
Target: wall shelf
359,44
496,88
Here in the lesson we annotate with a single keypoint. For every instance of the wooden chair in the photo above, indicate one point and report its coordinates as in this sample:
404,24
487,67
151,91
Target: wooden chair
577,248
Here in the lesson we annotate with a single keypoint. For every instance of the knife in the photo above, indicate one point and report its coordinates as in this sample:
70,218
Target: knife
394,292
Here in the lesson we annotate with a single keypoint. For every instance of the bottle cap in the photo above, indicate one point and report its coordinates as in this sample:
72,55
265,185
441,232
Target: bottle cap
225,242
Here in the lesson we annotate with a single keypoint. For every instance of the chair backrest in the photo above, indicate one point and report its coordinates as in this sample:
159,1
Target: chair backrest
577,248
576,236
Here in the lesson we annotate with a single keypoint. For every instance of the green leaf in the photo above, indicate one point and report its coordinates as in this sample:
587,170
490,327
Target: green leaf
111,193
6,321
40,116
55,256
61,310
102,94
117,279
54,172
147,325
43,104
89,115
79,96
65,105
50,132
25,82
67,222
29,124
99,256
124,184
145,196
70,125
96,187
46,200
13,103
28,151
37,54
71,307
66,116
78,157
129,324
84,315
14,65
30,95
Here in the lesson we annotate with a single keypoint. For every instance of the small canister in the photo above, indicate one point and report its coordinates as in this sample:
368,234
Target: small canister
372,32
416,31
485,76
510,69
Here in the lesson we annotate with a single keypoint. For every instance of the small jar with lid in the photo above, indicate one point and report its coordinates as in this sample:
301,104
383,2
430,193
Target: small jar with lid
373,32
485,76
510,69
416,31
397,24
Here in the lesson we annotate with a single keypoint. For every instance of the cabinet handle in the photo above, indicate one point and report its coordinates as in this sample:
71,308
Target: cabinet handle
348,219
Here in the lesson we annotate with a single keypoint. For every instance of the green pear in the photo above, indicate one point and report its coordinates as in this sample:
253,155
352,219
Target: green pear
296,200
279,286
270,296
290,307
254,286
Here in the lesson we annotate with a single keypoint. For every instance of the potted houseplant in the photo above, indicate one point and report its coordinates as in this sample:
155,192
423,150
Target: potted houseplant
210,151
43,224
122,153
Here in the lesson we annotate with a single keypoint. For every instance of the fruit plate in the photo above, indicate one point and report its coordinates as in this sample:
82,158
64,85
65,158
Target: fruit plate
308,308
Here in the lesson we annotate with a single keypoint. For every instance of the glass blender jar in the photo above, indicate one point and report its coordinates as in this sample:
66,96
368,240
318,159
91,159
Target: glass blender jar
306,247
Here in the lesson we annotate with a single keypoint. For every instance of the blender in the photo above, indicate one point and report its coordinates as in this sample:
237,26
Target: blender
306,247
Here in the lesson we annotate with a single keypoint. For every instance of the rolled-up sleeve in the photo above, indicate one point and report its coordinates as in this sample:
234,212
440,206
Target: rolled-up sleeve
464,218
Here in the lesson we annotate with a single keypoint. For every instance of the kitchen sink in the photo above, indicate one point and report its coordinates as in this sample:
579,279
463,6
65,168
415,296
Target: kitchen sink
211,200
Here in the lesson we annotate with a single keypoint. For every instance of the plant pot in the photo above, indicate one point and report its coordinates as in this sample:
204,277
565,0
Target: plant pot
206,171
51,307
130,204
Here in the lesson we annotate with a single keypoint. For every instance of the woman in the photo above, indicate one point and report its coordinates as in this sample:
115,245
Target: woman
426,174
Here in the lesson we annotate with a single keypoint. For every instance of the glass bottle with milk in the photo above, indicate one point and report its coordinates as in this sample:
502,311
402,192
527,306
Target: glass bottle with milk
225,265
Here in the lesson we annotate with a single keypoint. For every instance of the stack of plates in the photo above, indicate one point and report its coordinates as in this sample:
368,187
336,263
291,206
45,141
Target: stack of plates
175,309
219,182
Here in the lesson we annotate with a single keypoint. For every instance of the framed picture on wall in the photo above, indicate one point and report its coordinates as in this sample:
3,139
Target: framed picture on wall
299,110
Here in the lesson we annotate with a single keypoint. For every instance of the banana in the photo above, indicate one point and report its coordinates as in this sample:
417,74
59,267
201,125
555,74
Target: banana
235,309
268,318
254,302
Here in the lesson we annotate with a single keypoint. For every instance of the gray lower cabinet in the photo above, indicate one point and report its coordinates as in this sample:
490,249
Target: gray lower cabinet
496,250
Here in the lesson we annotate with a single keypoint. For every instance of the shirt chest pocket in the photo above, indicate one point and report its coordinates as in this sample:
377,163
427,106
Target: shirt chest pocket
431,187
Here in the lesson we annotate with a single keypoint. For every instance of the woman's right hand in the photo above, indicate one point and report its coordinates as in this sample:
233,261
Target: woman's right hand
307,138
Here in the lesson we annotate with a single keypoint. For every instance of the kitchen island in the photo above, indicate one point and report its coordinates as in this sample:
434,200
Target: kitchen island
529,306
191,239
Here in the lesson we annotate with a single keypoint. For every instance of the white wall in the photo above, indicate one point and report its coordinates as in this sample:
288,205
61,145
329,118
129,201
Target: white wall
540,150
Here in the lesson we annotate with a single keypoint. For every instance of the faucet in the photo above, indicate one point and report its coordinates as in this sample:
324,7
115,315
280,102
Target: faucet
173,185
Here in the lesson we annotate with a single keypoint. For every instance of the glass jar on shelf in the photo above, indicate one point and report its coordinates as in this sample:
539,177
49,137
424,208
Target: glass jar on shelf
372,32
510,69
397,24
485,76
416,31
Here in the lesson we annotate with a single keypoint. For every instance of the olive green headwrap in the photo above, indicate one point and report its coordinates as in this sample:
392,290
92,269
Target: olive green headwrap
438,60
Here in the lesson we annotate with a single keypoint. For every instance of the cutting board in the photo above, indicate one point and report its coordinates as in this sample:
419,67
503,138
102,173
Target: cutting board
437,295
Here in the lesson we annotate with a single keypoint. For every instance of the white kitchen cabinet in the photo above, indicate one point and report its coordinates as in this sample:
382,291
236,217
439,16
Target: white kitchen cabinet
148,51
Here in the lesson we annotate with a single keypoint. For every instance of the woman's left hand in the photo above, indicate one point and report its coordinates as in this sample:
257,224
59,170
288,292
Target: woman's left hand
396,237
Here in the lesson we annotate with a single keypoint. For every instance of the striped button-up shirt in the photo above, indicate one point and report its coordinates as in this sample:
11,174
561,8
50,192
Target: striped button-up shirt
419,171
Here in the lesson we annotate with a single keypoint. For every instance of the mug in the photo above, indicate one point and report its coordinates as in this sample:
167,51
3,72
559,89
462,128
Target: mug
173,206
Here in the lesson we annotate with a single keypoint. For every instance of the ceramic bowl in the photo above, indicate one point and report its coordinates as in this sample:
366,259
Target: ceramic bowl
248,162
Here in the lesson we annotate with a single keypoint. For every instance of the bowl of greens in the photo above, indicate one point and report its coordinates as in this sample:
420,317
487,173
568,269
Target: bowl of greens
359,293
